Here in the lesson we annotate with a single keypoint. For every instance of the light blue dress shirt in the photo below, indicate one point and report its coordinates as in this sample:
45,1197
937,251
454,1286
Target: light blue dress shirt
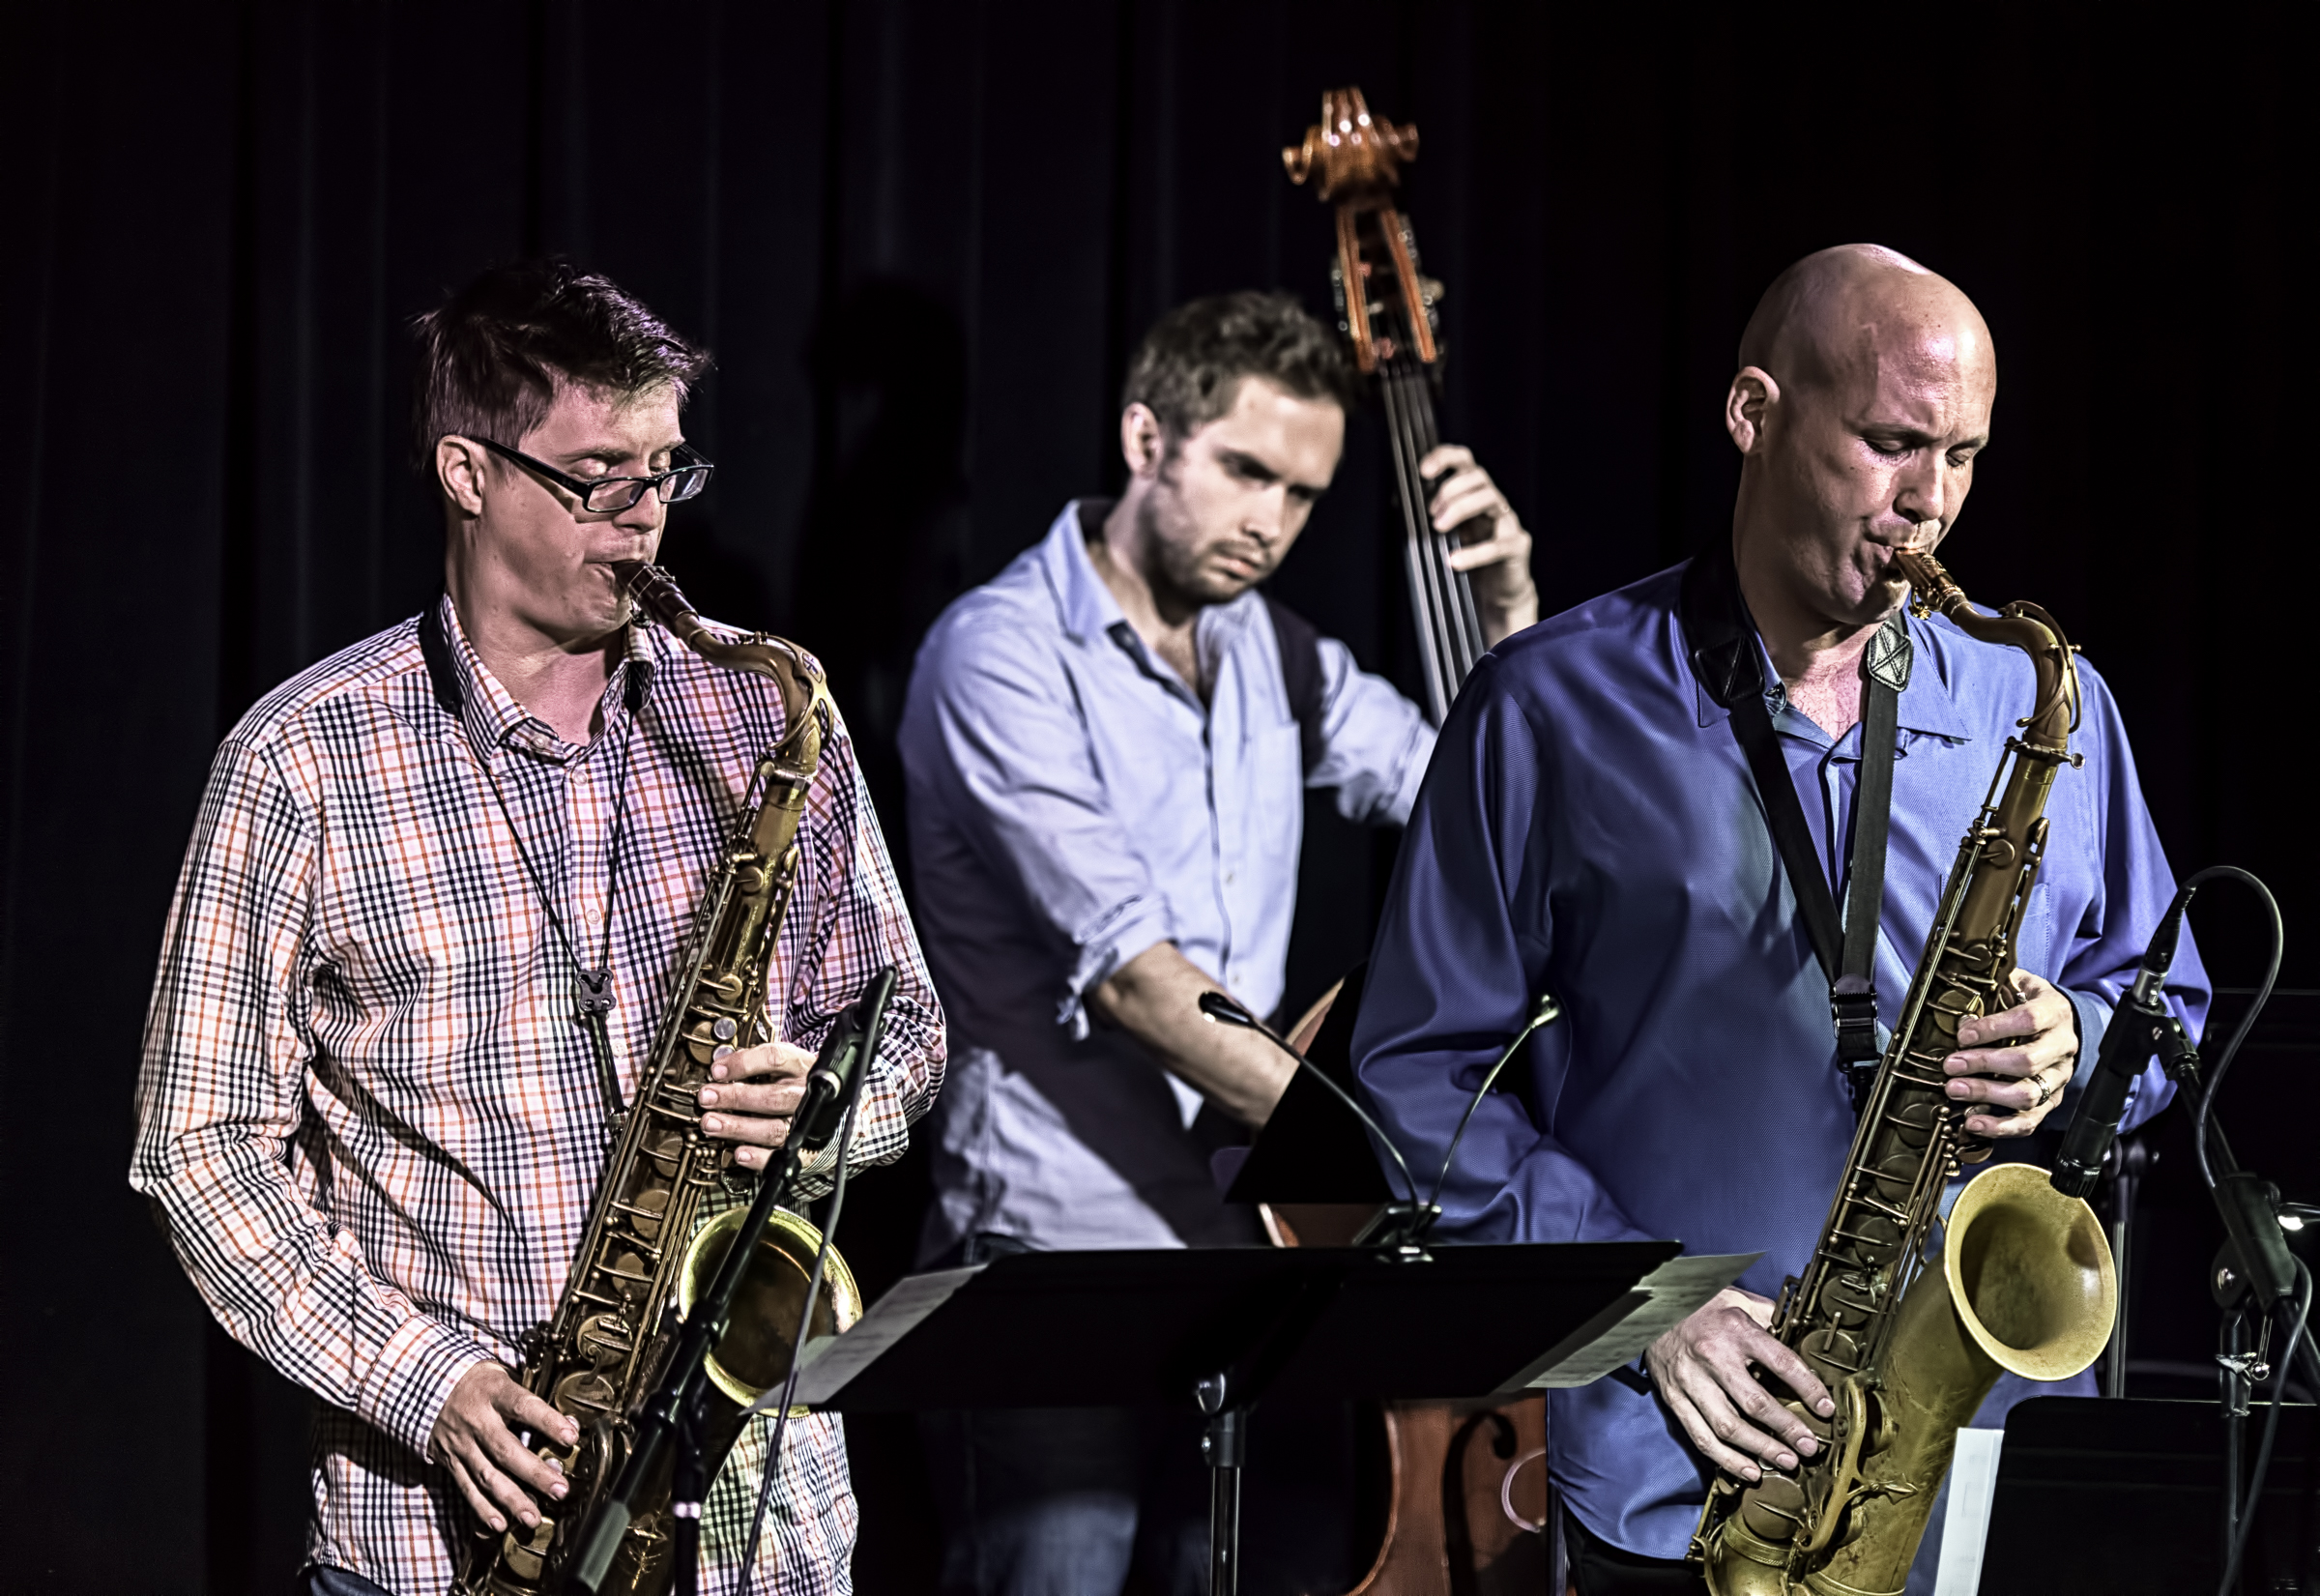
1072,802
1589,827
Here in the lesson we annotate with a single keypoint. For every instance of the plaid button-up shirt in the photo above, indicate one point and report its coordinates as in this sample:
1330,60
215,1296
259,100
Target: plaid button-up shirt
367,1110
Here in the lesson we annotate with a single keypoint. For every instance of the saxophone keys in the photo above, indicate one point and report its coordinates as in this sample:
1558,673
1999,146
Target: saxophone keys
584,1391
527,1559
606,1336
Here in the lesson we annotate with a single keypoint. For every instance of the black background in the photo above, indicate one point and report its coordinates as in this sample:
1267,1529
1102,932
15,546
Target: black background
921,240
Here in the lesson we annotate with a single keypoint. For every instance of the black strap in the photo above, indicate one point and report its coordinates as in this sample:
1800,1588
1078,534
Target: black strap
1300,646
1725,657
443,671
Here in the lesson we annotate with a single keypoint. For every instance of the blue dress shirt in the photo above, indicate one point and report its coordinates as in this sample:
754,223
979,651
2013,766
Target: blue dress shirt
1589,827
1072,802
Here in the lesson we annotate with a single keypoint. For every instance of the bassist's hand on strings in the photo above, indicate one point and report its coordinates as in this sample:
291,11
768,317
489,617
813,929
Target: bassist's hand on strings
1706,1371
754,1092
2015,1063
1497,555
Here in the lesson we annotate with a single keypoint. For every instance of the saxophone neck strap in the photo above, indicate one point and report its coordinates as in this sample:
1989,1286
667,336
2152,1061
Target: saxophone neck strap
1727,658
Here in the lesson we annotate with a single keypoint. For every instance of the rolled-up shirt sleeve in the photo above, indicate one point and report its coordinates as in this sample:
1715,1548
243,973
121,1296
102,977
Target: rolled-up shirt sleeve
220,1094
1025,788
1375,742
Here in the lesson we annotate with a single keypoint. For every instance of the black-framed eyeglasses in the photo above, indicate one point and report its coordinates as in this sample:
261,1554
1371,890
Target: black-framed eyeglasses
610,495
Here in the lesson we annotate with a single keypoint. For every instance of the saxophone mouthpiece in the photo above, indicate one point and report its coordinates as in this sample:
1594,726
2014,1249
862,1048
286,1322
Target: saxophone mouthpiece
655,592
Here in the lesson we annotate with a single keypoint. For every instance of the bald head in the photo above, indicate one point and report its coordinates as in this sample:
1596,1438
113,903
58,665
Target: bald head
1840,314
1863,399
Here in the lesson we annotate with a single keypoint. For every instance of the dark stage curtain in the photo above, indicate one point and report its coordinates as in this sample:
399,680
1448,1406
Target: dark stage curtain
921,240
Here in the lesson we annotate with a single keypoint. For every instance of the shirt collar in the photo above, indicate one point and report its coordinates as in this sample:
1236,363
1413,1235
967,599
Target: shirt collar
1083,603
1721,640
465,687
1088,609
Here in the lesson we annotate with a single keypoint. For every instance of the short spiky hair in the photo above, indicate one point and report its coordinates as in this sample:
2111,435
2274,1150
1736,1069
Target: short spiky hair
492,356
1190,365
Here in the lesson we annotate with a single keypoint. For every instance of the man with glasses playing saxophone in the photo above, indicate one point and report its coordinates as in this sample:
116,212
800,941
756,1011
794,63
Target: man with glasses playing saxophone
1590,827
375,1095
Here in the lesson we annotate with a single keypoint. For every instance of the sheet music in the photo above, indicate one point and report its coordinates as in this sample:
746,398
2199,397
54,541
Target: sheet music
1621,1332
831,1361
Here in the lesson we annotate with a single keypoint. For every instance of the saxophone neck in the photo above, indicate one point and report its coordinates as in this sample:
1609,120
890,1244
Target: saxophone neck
2019,625
807,710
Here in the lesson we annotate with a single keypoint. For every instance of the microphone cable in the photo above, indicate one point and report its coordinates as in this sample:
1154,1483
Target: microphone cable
1544,1012
872,1036
2239,1033
2203,1117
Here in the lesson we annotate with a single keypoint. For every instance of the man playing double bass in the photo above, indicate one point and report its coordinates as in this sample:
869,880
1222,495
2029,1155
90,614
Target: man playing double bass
1590,828
1106,768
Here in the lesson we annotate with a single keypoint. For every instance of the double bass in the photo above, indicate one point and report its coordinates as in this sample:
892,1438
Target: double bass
1387,310
1467,1509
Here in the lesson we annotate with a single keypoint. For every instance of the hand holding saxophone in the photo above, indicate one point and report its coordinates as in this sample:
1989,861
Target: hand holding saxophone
1706,1371
476,1439
755,1090
2016,1062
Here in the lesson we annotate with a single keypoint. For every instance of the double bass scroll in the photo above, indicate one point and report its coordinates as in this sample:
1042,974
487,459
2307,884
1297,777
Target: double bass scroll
1387,309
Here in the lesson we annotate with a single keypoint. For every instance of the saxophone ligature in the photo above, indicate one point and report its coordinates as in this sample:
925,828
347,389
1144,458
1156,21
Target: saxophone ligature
1909,1343
645,1251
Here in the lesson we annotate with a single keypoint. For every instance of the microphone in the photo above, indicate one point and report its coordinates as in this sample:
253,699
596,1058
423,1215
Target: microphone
835,1081
2135,1032
1544,1010
1222,1009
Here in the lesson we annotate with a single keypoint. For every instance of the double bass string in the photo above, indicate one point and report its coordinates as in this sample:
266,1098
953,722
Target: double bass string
1460,627
1452,632
1425,555
1424,576
1461,586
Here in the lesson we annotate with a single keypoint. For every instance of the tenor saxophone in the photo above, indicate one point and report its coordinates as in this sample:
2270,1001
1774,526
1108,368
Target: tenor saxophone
644,1255
1910,1343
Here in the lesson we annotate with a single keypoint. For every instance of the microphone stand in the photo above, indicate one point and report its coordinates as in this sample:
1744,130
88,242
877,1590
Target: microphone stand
2254,1275
1397,1233
671,1412
2130,1160
2242,1363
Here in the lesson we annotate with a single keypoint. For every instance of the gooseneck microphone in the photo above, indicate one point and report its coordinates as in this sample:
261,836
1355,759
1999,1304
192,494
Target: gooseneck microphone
1421,1216
2137,1027
1220,1008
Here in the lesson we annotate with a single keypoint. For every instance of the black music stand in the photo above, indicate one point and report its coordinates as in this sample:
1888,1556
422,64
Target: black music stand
2123,1498
1222,1327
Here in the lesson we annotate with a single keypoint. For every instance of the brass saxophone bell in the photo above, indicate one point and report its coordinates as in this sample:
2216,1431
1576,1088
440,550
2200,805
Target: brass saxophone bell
754,1354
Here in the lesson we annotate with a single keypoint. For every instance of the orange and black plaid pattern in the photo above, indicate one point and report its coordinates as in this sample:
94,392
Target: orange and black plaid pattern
368,1111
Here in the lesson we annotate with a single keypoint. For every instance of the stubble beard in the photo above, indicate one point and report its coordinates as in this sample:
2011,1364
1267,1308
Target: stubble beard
1176,575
